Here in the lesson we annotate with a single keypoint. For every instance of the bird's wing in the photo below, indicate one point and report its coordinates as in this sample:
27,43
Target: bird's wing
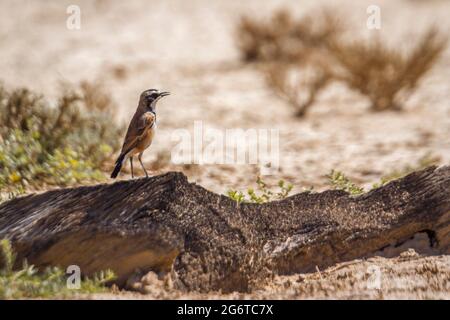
135,132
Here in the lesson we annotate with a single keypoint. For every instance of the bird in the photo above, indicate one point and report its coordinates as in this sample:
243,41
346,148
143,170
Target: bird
141,130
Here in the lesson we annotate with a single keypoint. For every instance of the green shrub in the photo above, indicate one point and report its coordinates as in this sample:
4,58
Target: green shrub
52,282
54,145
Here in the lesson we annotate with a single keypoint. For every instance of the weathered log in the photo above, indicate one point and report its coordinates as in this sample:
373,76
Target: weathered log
210,242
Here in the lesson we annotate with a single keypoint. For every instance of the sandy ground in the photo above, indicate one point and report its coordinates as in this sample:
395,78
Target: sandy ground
188,48
408,276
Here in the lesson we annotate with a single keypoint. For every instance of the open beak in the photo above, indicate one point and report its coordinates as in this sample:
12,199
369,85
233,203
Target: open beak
164,93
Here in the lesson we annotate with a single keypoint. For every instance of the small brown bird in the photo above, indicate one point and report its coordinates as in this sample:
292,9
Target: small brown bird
141,130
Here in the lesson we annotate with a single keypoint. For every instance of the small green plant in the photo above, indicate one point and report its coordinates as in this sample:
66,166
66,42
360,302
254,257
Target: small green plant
28,282
264,194
341,182
237,196
308,190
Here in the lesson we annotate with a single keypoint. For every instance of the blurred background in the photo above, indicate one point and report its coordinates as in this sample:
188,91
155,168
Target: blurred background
372,104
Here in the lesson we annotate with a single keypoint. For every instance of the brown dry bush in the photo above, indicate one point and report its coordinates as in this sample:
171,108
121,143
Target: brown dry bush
385,75
285,39
299,85
295,52
303,56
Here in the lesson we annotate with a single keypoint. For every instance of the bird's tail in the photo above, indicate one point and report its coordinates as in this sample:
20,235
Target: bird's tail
119,163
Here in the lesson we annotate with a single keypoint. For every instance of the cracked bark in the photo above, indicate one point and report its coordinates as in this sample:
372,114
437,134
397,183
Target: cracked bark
209,242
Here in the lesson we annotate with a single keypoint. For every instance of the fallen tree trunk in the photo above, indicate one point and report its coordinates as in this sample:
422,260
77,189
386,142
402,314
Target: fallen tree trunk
210,242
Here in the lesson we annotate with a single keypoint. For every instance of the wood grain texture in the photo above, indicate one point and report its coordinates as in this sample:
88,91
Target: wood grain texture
209,242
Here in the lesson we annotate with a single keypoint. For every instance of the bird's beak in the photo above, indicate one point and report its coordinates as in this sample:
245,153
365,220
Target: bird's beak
164,93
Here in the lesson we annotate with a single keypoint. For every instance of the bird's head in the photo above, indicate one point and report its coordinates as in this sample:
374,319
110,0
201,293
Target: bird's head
150,97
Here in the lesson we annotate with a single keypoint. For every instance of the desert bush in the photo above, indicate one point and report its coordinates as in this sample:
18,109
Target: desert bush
259,41
307,54
294,51
264,193
64,144
28,282
299,85
386,75
285,39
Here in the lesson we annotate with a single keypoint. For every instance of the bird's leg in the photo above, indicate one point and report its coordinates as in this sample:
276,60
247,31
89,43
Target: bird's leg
131,164
140,160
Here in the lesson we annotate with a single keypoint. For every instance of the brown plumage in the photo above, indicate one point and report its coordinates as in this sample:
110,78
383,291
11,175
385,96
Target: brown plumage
140,132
